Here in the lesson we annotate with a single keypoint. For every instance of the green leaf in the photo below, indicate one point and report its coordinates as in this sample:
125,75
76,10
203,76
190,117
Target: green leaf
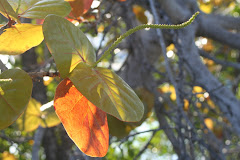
33,117
68,45
15,92
107,91
118,128
39,9
121,129
7,10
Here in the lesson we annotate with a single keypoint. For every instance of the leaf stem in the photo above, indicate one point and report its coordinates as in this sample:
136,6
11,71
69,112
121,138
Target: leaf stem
133,30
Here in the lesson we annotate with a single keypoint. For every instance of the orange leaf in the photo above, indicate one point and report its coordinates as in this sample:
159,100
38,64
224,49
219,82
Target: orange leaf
79,7
85,124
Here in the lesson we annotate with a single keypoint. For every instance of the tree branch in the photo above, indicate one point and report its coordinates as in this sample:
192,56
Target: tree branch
218,61
38,136
214,31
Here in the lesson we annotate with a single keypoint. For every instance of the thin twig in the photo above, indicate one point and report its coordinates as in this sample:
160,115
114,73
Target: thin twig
218,61
146,145
42,74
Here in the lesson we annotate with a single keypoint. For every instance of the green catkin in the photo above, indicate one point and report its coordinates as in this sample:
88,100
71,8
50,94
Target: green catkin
133,30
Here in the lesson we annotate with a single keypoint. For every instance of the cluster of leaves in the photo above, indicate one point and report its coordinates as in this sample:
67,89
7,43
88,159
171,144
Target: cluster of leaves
86,93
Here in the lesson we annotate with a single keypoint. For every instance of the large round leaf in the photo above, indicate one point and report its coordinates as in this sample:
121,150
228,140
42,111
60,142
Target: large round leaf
85,124
39,9
33,117
15,92
108,91
68,45
7,10
20,38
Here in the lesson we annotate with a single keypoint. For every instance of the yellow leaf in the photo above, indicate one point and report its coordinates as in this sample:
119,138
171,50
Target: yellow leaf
186,105
8,156
207,8
169,89
33,117
209,123
198,90
171,47
20,38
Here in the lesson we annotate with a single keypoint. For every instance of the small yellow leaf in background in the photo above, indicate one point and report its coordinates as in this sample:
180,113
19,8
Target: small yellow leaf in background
186,105
33,117
140,14
8,156
198,90
169,89
171,47
207,8
20,38
209,123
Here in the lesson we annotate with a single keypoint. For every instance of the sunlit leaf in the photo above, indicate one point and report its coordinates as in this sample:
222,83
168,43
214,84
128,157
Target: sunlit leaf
33,117
7,10
85,124
39,9
20,38
30,119
108,91
68,45
15,92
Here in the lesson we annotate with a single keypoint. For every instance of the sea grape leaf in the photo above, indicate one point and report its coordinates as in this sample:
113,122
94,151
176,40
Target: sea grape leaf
121,129
7,10
79,7
39,9
30,119
15,92
108,91
20,38
33,117
68,44
118,128
85,124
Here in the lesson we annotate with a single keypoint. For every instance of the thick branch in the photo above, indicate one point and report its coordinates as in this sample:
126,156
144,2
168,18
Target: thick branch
221,95
214,31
